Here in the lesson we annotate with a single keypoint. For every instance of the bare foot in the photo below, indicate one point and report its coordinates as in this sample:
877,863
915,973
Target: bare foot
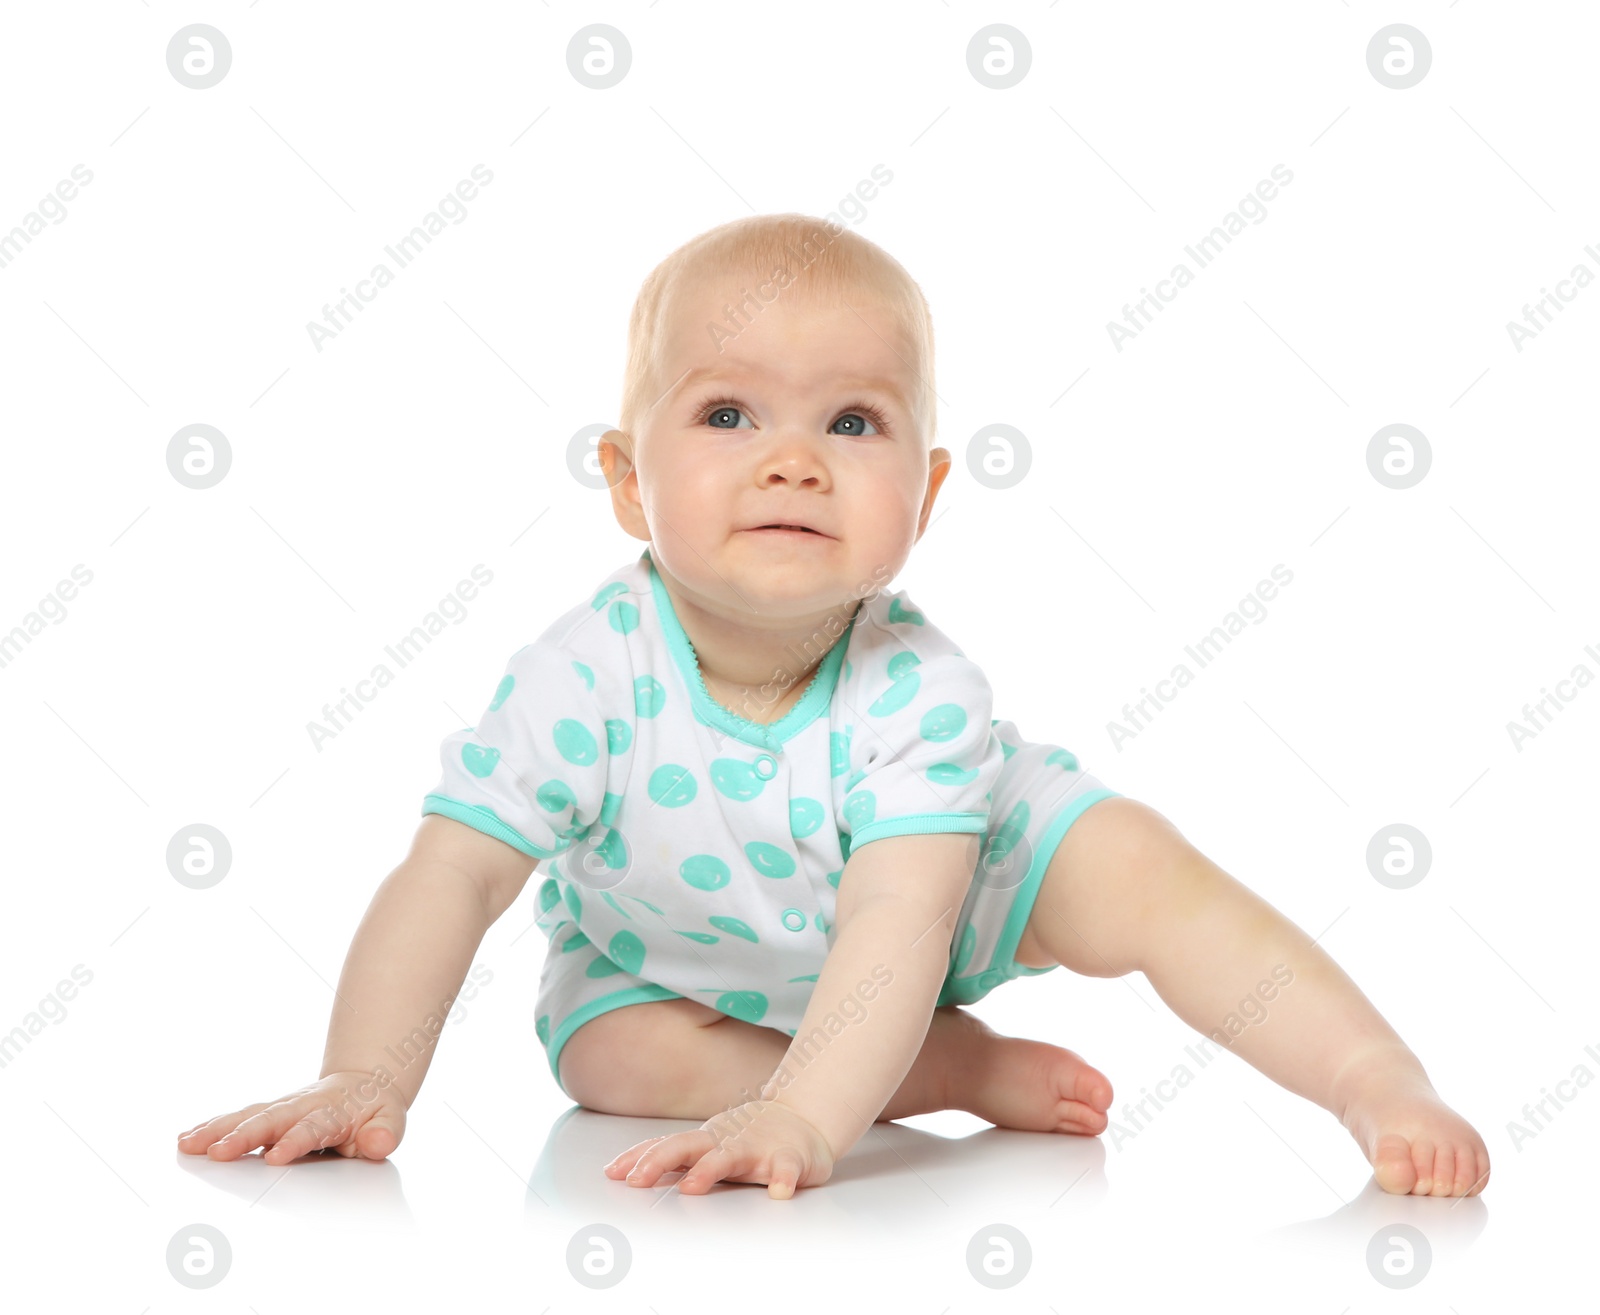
1017,1083
1417,1144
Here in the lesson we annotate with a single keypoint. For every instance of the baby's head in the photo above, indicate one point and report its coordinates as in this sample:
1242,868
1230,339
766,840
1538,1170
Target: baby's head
780,370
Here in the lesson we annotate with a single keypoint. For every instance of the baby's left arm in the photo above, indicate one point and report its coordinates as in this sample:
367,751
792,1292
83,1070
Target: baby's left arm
869,1013
870,1010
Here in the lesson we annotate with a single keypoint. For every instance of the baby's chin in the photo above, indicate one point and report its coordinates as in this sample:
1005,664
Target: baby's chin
774,590
793,590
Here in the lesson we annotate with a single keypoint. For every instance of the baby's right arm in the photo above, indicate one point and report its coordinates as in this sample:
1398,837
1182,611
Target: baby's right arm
405,966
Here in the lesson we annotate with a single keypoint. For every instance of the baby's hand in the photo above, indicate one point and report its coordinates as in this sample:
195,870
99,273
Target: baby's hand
347,1112
761,1141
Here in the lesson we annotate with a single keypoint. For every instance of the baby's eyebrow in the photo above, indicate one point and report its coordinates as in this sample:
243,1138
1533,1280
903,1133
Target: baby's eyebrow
705,373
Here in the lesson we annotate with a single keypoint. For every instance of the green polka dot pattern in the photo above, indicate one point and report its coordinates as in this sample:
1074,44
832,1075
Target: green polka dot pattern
691,852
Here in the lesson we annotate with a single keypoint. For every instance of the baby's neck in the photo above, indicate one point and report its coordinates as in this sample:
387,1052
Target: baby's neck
756,672
763,704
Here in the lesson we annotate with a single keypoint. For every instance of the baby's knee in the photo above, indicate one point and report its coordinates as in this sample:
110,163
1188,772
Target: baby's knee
636,1060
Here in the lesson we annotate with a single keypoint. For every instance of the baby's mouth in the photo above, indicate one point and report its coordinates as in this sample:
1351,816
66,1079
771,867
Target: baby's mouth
795,532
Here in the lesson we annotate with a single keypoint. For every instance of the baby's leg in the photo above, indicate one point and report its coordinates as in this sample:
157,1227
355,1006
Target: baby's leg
678,1059
1124,891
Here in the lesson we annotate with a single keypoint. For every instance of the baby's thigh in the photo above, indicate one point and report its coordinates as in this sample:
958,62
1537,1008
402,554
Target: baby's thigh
621,1060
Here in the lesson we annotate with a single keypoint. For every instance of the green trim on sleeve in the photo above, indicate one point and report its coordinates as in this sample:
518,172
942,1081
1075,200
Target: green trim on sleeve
488,821
918,824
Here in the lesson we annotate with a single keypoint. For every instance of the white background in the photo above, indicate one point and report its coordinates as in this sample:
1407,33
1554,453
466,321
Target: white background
1167,479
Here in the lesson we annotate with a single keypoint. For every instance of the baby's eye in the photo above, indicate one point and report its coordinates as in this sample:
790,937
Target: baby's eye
728,417
853,422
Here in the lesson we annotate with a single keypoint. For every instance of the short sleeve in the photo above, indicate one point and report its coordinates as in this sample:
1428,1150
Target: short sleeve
923,754
533,771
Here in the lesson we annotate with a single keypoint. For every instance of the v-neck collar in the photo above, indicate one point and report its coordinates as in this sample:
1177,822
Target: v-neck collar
817,697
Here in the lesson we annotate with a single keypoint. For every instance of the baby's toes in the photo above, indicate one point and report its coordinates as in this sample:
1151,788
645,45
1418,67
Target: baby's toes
1422,1152
1482,1179
1472,1170
1094,1090
1079,1083
1444,1170
1394,1164
1084,1097
1076,1117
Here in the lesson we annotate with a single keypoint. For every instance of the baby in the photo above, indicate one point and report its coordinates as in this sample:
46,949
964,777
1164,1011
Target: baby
784,838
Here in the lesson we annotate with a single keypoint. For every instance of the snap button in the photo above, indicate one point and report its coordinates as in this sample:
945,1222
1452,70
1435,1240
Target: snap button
794,920
766,767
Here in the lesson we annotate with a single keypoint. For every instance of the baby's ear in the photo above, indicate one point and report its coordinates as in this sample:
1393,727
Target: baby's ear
616,462
616,456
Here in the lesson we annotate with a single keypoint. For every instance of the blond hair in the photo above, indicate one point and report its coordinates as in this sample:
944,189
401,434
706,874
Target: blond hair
825,262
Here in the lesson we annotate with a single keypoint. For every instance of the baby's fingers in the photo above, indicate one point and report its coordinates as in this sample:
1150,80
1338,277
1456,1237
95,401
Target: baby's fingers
260,1129
624,1162
314,1131
203,1135
781,1172
712,1167
784,1175
678,1151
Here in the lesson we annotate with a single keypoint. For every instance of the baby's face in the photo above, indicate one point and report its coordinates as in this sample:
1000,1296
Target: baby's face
807,417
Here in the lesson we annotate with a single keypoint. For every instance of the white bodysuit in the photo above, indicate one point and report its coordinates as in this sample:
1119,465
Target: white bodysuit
692,852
